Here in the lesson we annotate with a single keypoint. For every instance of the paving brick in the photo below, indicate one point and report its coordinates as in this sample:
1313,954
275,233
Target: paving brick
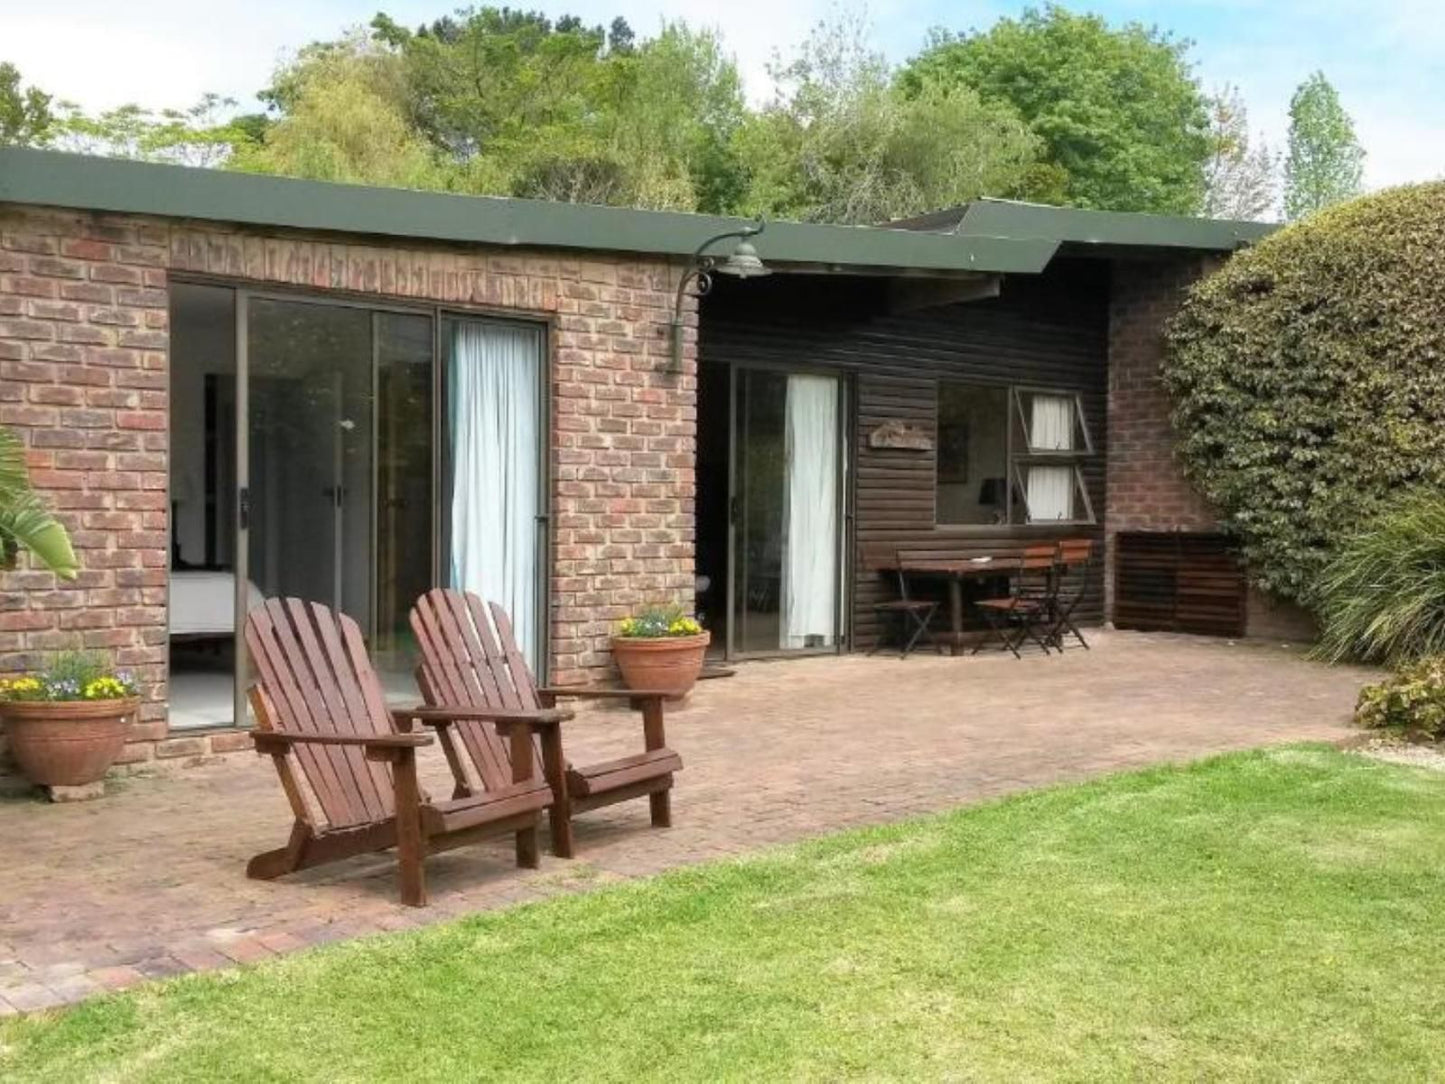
781,752
30,997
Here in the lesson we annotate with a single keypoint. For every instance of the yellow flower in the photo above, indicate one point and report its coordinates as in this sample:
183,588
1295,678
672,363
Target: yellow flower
103,688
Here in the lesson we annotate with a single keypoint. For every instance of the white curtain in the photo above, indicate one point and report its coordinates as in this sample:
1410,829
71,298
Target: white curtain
1051,429
810,531
493,389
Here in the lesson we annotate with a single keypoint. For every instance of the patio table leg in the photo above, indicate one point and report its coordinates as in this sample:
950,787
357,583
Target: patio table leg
955,613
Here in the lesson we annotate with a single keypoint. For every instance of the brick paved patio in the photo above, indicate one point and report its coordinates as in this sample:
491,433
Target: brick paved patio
148,881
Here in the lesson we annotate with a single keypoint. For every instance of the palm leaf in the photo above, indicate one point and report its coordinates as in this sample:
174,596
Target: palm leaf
25,522
14,475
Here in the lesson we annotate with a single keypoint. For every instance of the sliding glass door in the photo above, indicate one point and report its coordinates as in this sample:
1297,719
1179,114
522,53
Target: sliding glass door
352,455
787,512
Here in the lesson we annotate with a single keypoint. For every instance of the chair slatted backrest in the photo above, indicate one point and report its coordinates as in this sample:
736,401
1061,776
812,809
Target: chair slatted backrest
1075,556
469,658
1074,552
315,678
1036,568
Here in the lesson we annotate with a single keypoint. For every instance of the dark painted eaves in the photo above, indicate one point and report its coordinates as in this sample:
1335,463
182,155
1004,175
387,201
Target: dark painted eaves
80,182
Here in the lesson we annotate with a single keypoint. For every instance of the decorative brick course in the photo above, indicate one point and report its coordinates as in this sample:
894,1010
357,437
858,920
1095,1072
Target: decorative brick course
84,378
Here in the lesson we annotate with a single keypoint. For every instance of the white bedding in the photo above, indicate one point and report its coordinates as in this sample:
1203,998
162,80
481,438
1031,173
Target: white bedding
204,603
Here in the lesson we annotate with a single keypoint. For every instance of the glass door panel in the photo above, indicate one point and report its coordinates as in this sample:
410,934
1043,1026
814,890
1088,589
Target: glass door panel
310,438
404,505
786,502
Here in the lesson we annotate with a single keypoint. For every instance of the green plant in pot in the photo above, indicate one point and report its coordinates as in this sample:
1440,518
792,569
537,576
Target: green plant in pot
660,649
68,722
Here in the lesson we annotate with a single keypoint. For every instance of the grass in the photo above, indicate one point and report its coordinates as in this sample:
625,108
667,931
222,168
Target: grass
1271,915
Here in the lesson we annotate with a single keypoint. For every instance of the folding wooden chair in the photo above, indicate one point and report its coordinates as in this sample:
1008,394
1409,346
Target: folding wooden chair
1025,612
914,615
1072,581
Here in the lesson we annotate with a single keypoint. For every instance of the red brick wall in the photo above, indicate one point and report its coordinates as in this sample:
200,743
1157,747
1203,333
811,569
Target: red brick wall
1146,489
83,378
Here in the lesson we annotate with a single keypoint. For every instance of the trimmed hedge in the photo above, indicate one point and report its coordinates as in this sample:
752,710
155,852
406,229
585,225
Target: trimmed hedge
1308,377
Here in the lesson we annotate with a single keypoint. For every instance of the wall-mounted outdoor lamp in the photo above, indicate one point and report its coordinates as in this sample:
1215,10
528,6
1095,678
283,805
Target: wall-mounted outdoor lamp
743,263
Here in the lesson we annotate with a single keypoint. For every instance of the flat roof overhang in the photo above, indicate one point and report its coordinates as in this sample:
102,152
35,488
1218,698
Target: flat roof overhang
86,183
1085,232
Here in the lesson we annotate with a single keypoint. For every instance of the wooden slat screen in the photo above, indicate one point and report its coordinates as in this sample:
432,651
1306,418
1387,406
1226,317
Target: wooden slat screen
1178,581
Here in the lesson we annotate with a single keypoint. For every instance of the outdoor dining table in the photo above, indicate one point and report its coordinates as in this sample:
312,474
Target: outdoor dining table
956,571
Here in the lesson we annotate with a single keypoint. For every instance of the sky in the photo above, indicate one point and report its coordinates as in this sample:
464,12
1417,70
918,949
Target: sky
1386,57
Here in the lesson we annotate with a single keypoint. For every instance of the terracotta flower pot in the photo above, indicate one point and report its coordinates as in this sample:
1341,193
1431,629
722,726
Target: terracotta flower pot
67,743
663,663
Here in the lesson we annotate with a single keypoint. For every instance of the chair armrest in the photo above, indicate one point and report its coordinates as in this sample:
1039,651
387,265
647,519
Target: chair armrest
375,746
597,692
647,701
445,714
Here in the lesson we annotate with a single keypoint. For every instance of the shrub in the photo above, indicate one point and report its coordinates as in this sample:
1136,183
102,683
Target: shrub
1382,596
1308,377
1413,698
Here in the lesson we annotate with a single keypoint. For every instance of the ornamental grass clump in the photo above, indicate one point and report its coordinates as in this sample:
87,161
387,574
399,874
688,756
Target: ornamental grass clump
1382,595
71,675
656,622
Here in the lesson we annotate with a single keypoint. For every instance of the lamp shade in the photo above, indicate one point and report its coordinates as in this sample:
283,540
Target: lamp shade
744,263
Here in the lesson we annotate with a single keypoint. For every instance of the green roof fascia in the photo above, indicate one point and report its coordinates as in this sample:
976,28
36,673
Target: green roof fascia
1072,225
56,179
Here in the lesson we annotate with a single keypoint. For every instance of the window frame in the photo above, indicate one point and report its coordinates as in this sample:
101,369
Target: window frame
1018,460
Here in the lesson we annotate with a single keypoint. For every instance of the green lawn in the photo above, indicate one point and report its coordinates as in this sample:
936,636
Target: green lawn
1263,916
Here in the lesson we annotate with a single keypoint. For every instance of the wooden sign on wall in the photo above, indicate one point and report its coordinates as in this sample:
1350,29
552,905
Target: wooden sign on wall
897,434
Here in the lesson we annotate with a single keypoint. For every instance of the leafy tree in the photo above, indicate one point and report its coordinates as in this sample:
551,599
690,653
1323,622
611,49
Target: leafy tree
1326,162
1239,180
199,136
343,116
25,115
516,104
842,143
1118,110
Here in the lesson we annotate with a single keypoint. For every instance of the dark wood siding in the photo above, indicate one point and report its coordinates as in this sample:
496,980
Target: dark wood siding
1045,331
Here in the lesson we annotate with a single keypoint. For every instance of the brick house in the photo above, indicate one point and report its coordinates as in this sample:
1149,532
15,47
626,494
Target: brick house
233,386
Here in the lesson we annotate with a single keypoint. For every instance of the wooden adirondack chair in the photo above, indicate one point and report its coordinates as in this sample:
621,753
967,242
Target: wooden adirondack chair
323,720
470,658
